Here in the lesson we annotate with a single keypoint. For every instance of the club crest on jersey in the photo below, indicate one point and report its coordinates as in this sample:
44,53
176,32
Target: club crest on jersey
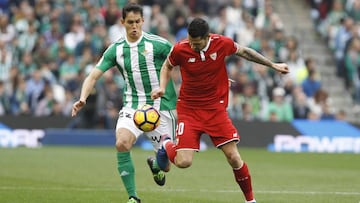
191,60
213,56
145,52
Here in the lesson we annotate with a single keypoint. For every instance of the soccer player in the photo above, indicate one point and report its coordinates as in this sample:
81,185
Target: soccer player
203,99
139,57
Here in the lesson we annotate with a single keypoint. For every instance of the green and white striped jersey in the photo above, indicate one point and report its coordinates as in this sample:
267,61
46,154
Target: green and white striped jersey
140,63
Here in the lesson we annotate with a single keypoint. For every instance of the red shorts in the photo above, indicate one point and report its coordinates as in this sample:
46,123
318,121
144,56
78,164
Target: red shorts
192,123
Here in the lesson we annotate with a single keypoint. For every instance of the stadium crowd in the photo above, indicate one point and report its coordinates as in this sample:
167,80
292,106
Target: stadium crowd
338,23
47,47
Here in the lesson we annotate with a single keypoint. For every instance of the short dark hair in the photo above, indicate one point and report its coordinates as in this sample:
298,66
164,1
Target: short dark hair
198,28
132,7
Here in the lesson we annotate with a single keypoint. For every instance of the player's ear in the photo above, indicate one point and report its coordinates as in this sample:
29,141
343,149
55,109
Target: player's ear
207,37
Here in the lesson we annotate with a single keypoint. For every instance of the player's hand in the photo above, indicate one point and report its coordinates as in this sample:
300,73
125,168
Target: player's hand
156,93
76,107
281,68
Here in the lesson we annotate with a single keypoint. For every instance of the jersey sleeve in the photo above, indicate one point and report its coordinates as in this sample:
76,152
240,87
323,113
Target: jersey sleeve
164,50
108,59
229,45
173,58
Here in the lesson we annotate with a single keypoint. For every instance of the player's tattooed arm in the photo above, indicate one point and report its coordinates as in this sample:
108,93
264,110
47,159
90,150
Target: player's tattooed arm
252,55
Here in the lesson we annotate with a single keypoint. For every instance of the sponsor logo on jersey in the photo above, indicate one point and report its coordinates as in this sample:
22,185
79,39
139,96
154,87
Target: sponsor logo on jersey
124,114
191,60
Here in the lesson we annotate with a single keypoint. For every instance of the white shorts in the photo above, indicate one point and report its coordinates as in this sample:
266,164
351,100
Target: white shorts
167,125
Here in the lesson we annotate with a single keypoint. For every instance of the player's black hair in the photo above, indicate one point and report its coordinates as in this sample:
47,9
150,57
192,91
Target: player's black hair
198,28
132,7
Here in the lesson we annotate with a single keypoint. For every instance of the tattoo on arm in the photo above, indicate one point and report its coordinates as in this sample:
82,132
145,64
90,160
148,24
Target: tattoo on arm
254,56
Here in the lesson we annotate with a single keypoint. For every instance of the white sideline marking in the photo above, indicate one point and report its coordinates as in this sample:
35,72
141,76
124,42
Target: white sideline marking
179,190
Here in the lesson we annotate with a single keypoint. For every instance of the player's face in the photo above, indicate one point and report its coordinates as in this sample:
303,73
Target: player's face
198,43
133,26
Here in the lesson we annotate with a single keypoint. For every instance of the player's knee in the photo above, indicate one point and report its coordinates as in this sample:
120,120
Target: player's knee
183,163
234,159
123,145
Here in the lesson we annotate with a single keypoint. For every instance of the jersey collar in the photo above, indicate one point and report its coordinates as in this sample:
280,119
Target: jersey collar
207,46
133,44
202,52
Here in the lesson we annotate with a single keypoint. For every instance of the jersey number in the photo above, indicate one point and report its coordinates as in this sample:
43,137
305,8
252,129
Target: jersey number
180,128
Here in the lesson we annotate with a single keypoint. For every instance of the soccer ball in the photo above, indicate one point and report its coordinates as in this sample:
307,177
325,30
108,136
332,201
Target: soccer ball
146,118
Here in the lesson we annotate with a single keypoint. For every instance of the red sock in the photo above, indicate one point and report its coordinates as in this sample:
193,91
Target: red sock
170,151
242,177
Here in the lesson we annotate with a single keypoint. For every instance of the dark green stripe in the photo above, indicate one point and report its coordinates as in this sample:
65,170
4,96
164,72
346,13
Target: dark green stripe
145,74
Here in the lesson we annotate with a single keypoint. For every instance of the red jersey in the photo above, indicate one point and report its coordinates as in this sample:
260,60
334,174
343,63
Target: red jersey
205,82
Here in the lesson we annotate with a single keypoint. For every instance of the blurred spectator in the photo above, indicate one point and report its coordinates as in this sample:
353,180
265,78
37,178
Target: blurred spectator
5,106
354,10
179,28
352,65
110,97
158,20
7,30
66,16
45,105
319,10
53,33
34,87
268,20
19,98
69,71
94,17
6,59
116,31
234,16
340,115
342,36
218,23
297,65
279,41
5,7
27,40
299,105
85,44
311,65
111,12
327,113
311,85
279,109
76,33
316,102
26,65
330,24
250,97
245,34
253,6
291,45
247,112
176,8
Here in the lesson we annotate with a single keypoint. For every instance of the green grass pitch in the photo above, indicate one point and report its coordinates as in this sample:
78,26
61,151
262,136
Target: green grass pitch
89,174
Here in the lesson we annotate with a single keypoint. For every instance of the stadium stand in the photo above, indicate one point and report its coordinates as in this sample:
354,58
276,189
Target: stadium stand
47,47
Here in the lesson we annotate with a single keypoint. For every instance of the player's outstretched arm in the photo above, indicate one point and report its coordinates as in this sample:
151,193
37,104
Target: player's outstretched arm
86,88
165,75
252,55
